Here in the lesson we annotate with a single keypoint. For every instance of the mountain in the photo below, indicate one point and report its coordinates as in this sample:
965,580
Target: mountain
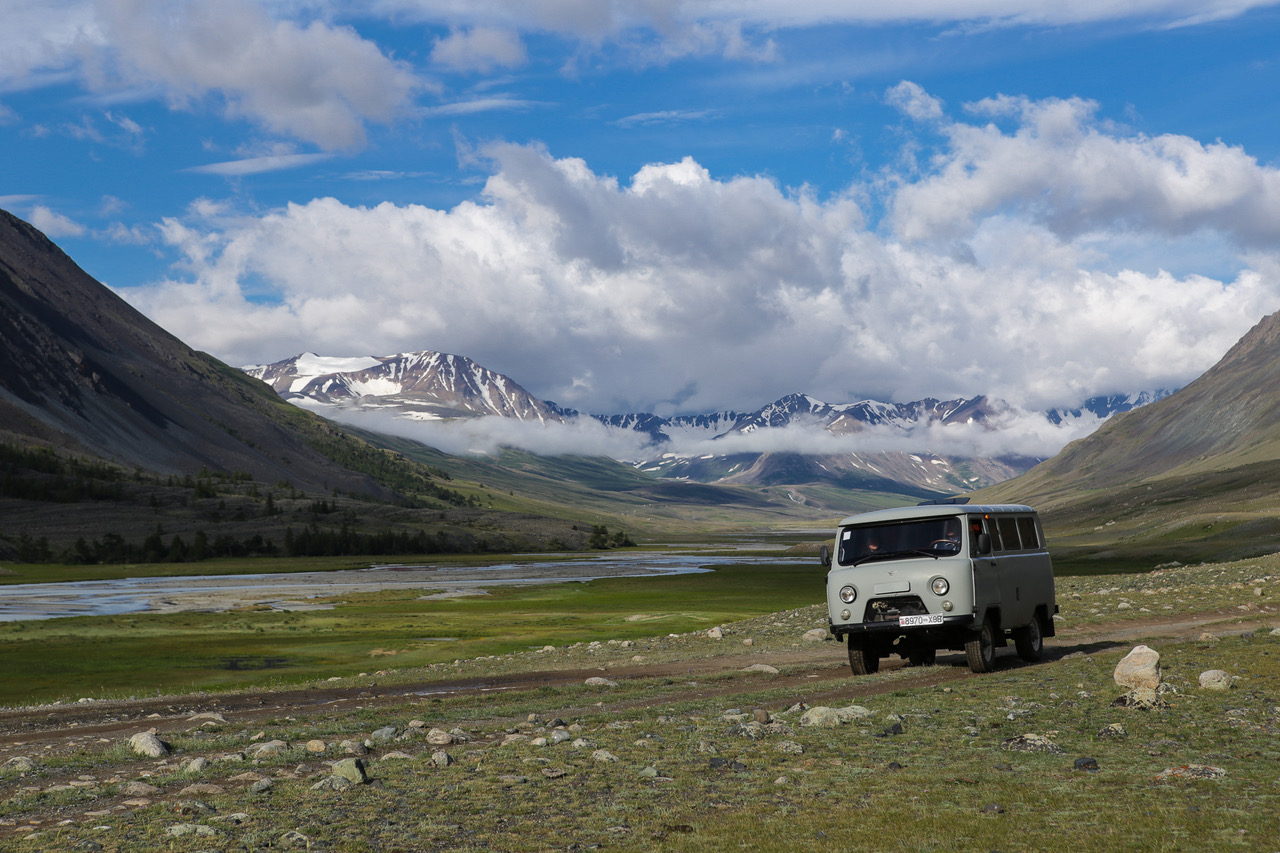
80,369
1192,476
416,385
430,385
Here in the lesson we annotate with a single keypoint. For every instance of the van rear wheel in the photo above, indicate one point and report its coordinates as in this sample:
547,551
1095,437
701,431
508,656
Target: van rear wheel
863,659
980,649
1029,640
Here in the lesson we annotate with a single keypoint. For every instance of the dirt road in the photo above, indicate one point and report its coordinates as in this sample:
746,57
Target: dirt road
817,674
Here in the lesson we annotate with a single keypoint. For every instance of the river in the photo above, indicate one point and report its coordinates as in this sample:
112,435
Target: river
308,590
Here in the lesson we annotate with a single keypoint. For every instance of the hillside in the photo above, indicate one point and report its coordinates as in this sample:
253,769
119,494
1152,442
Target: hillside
1193,476
119,443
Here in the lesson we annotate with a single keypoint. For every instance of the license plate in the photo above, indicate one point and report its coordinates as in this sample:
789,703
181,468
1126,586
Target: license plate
926,619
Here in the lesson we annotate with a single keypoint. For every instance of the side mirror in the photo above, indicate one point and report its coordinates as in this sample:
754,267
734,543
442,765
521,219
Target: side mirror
984,544
824,556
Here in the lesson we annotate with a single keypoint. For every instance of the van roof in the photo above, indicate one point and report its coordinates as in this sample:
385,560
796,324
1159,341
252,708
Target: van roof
905,513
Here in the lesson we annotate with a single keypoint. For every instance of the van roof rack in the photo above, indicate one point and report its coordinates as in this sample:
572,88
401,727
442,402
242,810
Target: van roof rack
943,501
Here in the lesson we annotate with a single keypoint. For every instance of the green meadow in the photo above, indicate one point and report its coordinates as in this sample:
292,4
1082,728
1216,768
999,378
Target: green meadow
143,653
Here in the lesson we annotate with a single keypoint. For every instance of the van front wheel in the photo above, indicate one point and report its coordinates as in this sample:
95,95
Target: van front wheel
863,659
981,649
1029,641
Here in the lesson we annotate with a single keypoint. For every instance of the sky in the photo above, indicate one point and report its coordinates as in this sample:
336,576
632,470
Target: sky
666,205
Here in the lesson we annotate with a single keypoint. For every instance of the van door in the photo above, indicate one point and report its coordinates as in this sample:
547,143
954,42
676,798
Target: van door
986,567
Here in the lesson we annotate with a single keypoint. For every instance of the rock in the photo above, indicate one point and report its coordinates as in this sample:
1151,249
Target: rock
293,838
1191,771
179,830
1114,730
1088,764
332,783
21,763
1139,669
762,667
353,747
814,635
138,789
821,716
261,786
597,681
716,633
1216,679
441,758
1030,743
148,745
384,734
268,749
1143,698
789,747
1206,637
206,788
316,745
604,756
396,755
439,737
351,769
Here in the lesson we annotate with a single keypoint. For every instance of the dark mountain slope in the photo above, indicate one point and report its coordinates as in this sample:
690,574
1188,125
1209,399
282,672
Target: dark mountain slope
82,370
1194,476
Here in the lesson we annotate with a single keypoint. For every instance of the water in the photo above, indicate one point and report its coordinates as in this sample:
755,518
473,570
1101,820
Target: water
301,590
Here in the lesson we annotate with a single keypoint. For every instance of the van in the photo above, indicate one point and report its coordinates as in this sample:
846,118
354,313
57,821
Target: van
941,575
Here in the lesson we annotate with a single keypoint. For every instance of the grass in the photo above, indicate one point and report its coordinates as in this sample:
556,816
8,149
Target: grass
947,781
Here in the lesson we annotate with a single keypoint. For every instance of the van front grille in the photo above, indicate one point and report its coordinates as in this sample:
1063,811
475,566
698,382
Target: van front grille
889,609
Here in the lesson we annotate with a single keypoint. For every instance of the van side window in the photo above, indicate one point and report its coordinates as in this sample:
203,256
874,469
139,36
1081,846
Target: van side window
996,544
1008,532
1027,527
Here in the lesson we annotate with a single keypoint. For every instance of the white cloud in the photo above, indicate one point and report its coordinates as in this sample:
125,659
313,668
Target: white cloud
480,49
681,292
315,82
913,100
257,165
55,224
1062,168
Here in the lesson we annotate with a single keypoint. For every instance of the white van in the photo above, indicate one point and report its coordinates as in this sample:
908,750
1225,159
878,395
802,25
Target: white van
941,575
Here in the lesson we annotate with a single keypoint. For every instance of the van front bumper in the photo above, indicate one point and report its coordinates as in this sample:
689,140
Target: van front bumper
950,625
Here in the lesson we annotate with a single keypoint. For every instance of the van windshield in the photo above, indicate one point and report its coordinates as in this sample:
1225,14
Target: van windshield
929,537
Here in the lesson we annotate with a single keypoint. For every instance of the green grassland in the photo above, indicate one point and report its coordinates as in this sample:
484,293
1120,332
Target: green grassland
145,652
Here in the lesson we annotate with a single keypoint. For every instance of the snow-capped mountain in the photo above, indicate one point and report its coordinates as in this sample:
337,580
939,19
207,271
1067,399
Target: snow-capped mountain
417,385
436,386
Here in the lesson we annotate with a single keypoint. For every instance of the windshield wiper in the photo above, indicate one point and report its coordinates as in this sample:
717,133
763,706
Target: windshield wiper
876,555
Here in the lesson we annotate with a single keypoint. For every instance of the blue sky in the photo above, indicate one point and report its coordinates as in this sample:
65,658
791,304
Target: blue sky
669,206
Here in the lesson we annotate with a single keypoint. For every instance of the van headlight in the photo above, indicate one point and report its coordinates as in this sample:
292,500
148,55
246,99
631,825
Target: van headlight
848,594
939,586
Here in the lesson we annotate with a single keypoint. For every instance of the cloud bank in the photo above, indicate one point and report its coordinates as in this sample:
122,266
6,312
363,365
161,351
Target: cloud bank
1001,266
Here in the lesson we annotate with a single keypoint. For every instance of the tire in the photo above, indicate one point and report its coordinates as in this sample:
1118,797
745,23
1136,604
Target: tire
922,657
1029,640
863,660
981,649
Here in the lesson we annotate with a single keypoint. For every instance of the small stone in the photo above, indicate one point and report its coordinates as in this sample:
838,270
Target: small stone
1216,679
716,633
148,745
384,734
993,808
762,668
1114,730
604,756
441,758
1089,764
597,681
814,635
351,769
1030,743
316,745
261,786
